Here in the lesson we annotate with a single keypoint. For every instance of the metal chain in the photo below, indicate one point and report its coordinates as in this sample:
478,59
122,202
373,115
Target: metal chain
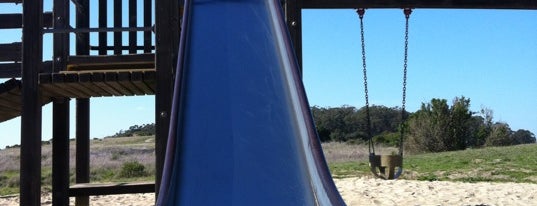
407,12
361,12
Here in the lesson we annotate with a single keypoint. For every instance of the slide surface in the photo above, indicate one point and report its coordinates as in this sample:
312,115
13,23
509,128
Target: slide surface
241,129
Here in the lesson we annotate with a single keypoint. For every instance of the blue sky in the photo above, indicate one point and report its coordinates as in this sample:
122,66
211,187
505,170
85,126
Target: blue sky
489,56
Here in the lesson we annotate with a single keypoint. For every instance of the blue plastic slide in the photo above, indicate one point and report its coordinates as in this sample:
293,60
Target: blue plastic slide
241,128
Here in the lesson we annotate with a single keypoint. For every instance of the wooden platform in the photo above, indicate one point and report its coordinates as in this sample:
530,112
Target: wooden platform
85,84
78,84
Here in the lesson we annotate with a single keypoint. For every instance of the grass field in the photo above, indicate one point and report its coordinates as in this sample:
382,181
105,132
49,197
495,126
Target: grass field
109,157
496,164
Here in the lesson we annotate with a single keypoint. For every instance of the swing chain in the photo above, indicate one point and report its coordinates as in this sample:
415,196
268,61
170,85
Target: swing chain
407,12
361,12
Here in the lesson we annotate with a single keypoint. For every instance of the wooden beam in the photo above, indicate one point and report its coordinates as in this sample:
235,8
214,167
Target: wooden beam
82,146
11,1
113,62
11,52
13,70
60,40
103,23
14,21
293,18
147,23
424,4
167,42
133,23
60,151
10,70
32,58
118,16
110,189
82,157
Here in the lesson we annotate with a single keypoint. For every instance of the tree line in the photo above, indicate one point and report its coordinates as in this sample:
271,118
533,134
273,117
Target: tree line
435,127
137,130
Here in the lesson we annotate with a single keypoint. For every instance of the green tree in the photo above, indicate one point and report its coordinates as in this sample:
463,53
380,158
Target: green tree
500,135
438,127
522,136
335,124
460,119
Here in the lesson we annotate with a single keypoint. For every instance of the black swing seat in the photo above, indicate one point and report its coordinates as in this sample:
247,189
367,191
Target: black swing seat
384,166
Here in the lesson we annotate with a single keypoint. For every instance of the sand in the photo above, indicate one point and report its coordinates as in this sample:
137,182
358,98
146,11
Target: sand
368,191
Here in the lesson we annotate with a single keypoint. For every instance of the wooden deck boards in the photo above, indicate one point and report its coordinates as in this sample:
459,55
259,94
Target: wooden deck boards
78,84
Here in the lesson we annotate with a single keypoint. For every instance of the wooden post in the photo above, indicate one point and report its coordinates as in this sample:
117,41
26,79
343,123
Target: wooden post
60,151
147,23
118,38
82,107
293,17
32,58
82,147
132,23
60,110
167,42
60,40
103,19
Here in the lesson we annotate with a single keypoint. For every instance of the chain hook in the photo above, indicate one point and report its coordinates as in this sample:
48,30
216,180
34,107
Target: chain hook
407,12
361,12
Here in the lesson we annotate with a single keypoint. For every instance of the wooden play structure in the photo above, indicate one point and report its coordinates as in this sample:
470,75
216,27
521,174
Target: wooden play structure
141,64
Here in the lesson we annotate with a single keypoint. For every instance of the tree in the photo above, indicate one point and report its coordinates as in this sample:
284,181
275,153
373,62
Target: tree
500,135
522,136
437,127
460,117
347,123
335,124
428,127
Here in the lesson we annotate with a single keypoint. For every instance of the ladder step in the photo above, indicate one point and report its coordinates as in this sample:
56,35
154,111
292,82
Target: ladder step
10,70
14,21
13,70
11,52
11,1
89,189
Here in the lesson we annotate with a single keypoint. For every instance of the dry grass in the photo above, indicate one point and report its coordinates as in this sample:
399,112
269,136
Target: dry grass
337,152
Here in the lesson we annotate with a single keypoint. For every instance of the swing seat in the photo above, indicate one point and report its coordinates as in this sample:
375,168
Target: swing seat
383,166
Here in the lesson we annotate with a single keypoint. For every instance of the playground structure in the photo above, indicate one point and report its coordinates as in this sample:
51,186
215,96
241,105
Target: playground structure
116,70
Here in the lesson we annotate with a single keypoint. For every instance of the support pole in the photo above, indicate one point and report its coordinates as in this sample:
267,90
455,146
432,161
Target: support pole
167,42
82,107
60,151
60,110
32,58
293,17
82,147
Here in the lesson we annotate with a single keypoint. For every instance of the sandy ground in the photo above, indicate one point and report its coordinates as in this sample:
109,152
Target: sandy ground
367,191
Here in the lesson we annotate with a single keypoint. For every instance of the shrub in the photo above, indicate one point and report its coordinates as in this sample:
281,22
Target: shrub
132,169
388,139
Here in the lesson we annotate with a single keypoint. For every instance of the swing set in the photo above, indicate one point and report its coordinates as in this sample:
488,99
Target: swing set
385,166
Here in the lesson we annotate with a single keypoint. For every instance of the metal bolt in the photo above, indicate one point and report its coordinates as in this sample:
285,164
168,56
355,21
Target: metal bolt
163,114
293,23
